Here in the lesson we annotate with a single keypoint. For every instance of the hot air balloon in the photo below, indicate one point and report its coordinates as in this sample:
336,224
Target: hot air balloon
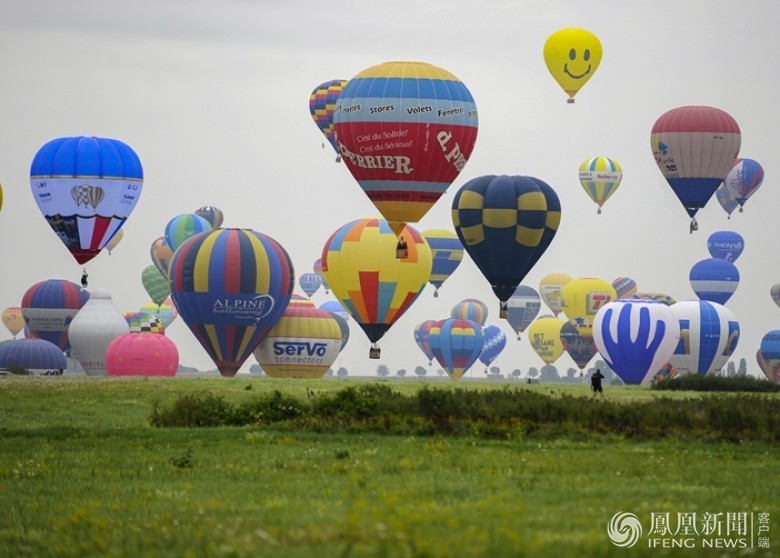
709,333
581,348
726,245
36,356
86,188
405,131
768,356
742,181
447,254
725,200
318,271
322,106
211,214
142,354
182,227
545,338
422,336
600,178
309,283
49,307
636,338
155,284
161,255
456,344
335,307
165,312
303,343
624,287
470,309
343,328
714,279
494,343
1,197
582,299
774,293
695,147
522,308
114,240
550,288
374,286
505,223
13,319
141,322
572,55
92,330
231,286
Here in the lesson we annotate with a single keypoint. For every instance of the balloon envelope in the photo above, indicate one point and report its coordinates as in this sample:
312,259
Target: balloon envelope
376,288
583,298
581,348
493,345
600,178
726,245
769,353
182,227
211,214
231,286
550,288
695,147
422,336
714,279
470,309
456,344
522,308
97,324
505,223
13,319
405,131
545,338
161,255
49,307
572,56
37,356
744,178
447,253
86,188
142,354
322,106
709,333
624,287
155,284
309,283
114,240
636,338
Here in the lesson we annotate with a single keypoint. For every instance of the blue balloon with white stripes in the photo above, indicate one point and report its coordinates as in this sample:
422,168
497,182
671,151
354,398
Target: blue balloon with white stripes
726,245
495,341
709,333
714,279
635,337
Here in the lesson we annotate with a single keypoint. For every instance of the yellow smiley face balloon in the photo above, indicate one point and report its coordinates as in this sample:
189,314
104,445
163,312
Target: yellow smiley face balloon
572,56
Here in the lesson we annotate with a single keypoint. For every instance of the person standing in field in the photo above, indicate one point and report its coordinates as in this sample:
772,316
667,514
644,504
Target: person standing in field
595,382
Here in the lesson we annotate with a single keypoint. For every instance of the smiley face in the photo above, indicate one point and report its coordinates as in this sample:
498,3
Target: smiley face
572,56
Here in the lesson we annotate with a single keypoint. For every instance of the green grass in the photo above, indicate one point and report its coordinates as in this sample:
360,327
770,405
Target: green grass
84,474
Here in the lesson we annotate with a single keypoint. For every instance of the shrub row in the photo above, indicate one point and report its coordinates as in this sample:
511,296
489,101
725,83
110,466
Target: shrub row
503,413
697,382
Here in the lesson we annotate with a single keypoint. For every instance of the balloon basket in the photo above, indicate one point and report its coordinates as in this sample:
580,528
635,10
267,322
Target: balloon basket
436,294
502,311
569,101
374,353
401,253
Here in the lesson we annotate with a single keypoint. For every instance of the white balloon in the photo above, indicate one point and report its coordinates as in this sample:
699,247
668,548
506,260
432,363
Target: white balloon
97,324
709,333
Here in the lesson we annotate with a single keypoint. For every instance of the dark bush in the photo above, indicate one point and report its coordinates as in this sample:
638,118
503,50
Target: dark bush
697,382
194,410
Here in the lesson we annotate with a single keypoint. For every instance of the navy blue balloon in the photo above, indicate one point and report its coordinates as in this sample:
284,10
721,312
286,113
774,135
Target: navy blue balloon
34,355
726,245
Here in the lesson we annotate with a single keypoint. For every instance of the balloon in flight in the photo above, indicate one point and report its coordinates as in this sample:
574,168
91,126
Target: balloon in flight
522,308
572,56
422,336
493,345
714,279
211,214
583,298
544,334
49,307
709,333
550,288
470,309
600,178
447,253
742,181
322,106
456,344
726,245
182,227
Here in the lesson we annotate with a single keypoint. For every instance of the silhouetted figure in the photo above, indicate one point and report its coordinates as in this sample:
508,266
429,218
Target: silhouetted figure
84,276
401,249
694,225
595,382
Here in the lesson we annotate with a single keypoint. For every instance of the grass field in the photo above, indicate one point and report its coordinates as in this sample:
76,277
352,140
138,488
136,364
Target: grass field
84,474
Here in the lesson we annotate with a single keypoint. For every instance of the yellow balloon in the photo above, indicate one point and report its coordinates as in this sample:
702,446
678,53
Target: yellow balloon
550,290
545,337
582,298
572,55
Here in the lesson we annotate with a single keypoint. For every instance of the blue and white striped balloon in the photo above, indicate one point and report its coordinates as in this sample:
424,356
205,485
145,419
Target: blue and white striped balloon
709,333
635,337
714,279
495,341
726,245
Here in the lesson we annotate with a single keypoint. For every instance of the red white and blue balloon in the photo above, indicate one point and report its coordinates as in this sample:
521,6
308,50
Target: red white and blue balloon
709,333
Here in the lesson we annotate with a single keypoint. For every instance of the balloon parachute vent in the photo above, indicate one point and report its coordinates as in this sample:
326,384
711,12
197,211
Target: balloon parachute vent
374,352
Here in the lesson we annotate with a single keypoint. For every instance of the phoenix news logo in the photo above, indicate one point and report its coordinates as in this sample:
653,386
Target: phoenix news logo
729,530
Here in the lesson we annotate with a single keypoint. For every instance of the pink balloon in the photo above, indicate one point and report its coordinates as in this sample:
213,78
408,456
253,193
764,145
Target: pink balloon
142,354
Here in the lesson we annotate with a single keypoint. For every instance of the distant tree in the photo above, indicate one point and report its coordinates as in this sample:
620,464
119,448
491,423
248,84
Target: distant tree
516,373
255,369
571,374
329,373
533,372
742,370
341,372
401,373
731,369
420,371
549,373
439,372
382,371
495,370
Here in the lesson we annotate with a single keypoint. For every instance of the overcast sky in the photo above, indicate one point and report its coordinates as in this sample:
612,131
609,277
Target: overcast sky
213,96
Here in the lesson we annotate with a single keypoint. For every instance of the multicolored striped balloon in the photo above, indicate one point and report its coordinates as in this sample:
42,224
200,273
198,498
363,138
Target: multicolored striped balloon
600,178
211,214
422,336
447,254
182,227
161,255
744,178
86,187
405,131
470,309
48,308
624,287
304,343
376,288
309,283
322,106
231,286
456,344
